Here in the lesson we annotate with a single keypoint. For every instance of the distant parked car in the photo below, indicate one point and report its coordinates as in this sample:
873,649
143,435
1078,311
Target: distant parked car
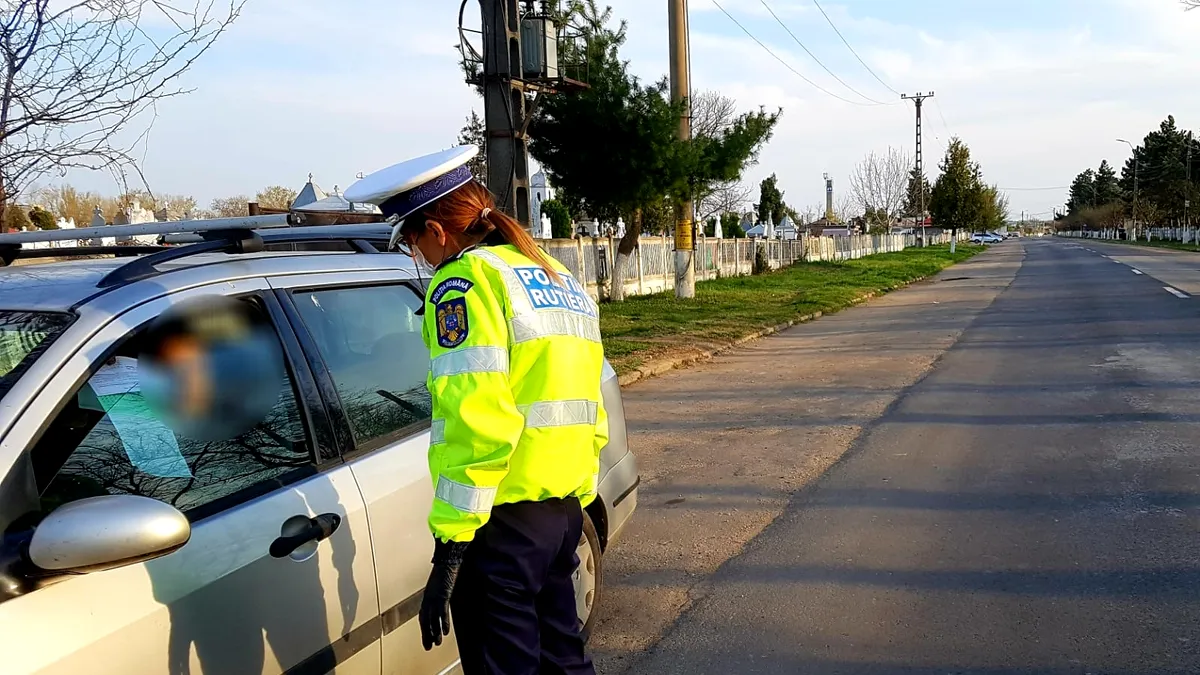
985,238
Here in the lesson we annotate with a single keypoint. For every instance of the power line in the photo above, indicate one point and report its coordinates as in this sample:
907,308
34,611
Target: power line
939,111
864,63
814,57
1034,189
785,63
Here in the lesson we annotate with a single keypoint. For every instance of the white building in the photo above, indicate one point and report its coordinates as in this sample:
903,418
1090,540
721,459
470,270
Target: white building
539,192
786,229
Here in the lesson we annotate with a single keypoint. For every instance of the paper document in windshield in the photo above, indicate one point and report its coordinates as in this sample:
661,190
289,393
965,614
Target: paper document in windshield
149,443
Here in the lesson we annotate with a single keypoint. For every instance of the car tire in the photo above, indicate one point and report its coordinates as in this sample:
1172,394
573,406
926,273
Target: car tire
588,577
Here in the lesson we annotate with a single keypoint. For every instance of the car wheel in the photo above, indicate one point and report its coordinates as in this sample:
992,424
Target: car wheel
588,576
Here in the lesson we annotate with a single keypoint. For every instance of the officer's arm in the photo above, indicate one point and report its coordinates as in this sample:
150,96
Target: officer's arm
476,424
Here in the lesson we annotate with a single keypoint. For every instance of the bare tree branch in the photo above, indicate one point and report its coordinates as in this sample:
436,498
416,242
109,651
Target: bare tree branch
878,183
712,113
844,208
723,198
74,76
1189,5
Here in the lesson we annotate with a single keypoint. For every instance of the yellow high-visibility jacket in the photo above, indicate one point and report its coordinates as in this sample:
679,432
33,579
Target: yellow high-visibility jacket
515,380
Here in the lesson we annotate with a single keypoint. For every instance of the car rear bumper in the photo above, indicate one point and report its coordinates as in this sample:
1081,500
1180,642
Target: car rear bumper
621,482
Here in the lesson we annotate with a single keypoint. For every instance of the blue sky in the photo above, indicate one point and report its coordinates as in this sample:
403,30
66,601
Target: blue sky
1039,89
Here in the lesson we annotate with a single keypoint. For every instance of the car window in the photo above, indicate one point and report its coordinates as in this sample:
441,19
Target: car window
108,441
24,335
370,340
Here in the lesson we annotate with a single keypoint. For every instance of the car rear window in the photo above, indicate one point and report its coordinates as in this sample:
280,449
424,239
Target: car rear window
24,336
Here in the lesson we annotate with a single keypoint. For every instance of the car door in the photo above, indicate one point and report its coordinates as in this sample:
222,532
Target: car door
363,334
221,604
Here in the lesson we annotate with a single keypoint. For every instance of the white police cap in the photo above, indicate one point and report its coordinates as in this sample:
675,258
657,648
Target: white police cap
402,189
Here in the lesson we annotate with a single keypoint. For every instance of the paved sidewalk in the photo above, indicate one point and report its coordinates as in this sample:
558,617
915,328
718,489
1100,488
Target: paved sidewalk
724,444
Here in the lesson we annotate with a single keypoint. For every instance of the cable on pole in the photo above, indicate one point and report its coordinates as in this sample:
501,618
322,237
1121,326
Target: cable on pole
943,117
785,63
814,57
864,63
1035,189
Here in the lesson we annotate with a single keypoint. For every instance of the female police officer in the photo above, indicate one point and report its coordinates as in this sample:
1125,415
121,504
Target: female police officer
518,421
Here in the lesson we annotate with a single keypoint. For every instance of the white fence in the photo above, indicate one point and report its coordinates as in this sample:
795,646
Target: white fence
651,267
1186,235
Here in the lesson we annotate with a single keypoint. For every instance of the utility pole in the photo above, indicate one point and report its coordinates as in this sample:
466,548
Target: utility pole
1136,162
504,108
685,268
828,198
918,99
1187,198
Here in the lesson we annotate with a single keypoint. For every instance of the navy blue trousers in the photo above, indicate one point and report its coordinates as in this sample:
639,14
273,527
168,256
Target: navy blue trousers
513,605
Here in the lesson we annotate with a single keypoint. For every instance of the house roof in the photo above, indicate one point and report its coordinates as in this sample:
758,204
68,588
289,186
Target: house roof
336,202
309,194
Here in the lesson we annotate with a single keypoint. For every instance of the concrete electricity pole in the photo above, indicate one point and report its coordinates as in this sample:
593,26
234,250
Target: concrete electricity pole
918,99
504,108
685,267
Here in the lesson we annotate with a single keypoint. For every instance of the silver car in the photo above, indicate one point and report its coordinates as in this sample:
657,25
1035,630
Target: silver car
300,546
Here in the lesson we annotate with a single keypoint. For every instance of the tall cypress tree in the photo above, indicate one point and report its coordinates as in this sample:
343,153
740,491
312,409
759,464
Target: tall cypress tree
958,193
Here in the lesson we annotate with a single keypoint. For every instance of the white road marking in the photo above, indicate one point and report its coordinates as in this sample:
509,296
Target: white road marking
1136,270
1175,292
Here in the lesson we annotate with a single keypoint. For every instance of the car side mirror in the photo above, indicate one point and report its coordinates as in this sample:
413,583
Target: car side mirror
101,533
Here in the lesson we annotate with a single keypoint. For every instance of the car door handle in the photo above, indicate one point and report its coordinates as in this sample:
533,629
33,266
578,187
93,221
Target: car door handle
318,529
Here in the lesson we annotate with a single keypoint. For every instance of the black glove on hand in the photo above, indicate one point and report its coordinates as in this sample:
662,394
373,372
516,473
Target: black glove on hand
435,604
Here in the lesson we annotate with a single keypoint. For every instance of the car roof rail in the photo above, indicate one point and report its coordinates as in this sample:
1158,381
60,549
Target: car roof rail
11,252
237,241
155,228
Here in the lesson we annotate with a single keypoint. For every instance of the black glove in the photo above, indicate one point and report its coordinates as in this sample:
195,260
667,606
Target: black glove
435,604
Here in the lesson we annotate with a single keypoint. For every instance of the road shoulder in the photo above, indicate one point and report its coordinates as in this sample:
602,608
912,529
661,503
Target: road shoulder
722,446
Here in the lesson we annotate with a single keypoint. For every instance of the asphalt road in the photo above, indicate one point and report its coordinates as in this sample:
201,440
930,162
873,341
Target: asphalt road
1028,506
1179,269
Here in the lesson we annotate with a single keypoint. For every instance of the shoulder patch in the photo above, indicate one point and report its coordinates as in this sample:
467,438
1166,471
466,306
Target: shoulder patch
452,284
452,324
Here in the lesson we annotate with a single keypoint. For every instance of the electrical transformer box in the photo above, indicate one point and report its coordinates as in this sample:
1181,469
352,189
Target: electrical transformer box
539,48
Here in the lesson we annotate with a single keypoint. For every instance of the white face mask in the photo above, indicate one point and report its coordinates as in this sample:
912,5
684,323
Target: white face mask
422,264
397,243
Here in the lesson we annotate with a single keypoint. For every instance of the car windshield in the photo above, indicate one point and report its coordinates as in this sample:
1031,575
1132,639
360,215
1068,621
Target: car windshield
23,336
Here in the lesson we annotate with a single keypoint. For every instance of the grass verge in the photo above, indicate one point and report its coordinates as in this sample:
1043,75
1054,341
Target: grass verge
724,310
1173,245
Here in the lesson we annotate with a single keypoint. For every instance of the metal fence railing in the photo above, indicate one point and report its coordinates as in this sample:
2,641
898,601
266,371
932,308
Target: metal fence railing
1185,235
651,267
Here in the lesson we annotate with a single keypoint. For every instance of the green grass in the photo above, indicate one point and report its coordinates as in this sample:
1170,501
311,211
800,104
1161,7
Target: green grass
726,309
1174,245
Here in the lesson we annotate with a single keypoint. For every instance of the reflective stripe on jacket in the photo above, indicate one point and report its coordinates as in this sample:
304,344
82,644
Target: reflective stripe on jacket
515,380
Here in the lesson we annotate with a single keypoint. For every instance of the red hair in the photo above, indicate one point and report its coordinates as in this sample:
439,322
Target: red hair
470,211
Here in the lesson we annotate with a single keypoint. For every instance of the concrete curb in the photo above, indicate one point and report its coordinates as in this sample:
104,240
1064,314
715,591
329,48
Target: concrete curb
659,366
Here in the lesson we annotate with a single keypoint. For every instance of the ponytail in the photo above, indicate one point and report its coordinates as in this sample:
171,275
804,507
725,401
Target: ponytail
470,211
516,235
